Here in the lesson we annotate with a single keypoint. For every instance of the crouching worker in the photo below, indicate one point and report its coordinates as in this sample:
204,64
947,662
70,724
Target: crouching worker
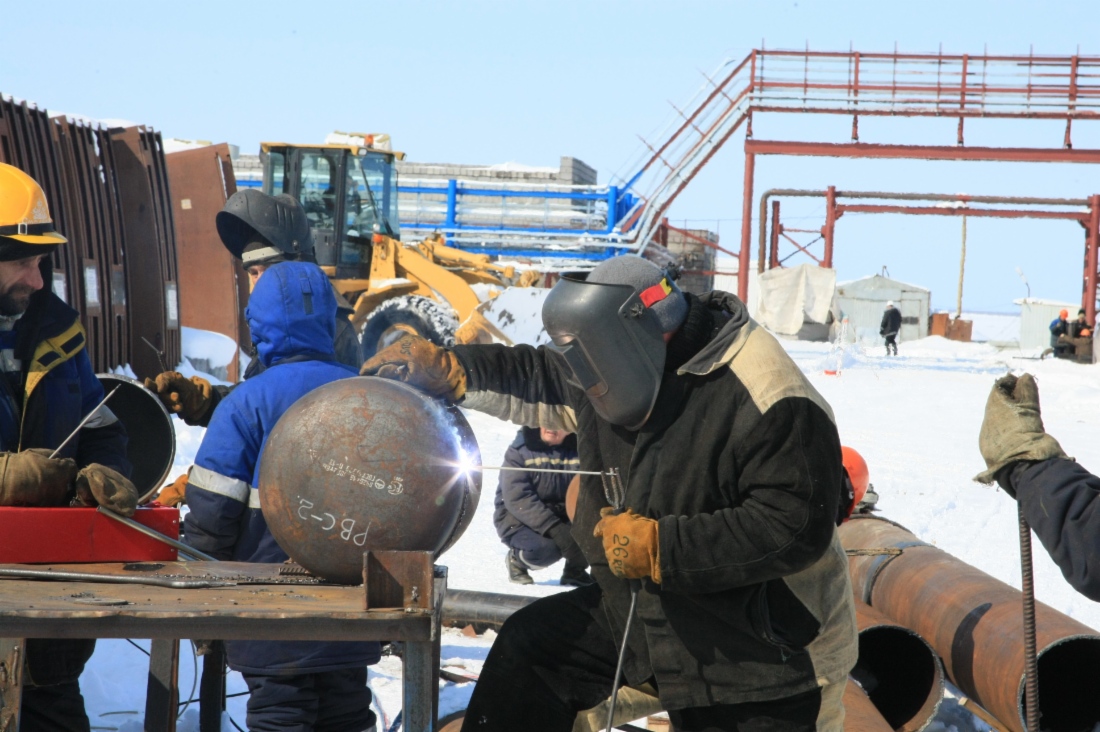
46,389
294,685
530,506
731,470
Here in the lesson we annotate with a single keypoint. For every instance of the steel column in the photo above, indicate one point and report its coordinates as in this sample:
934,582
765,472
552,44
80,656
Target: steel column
830,225
162,692
773,259
1091,259
746,229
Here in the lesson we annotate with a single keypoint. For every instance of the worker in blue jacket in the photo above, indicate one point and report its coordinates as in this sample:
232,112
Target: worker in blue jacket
294,685
1060,497
47,386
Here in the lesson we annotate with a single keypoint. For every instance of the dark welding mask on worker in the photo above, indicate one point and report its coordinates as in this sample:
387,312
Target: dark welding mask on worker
612,342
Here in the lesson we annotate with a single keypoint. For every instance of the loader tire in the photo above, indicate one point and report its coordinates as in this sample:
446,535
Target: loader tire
409,314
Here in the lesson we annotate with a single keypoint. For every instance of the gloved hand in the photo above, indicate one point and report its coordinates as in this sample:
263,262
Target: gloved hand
1012,430
99,485
175,493
563,539
33,478
189,398
631,544
420,363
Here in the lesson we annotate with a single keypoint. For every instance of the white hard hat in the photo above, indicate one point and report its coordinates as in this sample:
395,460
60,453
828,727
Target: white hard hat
889,303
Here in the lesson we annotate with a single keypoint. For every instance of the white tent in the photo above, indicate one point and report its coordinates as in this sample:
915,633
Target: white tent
863,301
798,301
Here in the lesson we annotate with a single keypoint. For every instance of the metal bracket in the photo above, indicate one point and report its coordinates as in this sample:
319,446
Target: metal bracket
11,682
395,579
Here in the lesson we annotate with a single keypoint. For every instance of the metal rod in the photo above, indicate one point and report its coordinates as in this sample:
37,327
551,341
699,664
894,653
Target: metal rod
160,354
1031,661
622,655
153,534
114,579
535,470
83,422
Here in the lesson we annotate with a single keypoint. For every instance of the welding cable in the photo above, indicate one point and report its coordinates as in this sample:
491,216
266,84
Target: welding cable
194,678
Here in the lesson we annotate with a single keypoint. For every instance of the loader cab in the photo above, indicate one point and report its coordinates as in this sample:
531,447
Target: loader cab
349,193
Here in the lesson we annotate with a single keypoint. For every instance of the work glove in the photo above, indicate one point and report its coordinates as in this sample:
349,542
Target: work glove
630,542
175,493
563,539
1012,430
420,363
190,398
33,478
99,485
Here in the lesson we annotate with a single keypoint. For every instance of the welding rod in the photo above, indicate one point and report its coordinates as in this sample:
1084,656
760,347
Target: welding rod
154,534
535,470
83,422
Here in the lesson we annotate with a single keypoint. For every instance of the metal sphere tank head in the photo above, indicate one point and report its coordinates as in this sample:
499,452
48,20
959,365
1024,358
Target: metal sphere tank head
367,464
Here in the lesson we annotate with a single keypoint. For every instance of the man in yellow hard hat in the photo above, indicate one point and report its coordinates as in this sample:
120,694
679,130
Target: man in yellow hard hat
47,386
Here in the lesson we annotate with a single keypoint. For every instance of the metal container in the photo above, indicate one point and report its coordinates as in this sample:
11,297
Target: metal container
898,670
367,464
975,623
152,437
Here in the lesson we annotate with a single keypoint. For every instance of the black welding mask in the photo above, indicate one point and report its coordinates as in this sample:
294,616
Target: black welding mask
613,344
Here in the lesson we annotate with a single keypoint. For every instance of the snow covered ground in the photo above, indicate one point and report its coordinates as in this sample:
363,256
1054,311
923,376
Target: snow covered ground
915,418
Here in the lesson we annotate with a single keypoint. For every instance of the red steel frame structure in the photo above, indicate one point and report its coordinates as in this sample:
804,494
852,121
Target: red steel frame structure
858,84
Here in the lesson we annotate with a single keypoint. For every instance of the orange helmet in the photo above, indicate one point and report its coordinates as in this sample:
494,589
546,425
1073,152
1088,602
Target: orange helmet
1063,313
856,467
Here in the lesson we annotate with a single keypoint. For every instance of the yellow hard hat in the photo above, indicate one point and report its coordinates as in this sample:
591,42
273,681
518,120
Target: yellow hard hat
24,213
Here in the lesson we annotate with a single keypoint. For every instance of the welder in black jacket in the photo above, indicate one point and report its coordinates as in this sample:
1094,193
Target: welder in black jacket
1060,498
732,472
529,510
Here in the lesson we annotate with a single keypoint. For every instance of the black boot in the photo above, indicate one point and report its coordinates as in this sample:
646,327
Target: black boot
517,572
574,576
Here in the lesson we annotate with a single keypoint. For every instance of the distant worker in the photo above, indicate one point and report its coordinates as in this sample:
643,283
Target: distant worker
1080,328
1060,327
261,231
530,507
293,685
1060,498
49,386
891,325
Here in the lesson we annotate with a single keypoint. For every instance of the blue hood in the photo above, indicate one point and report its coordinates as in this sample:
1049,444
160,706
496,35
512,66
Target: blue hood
292,312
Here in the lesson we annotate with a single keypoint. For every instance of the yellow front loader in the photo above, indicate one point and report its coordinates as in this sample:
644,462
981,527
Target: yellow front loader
349,193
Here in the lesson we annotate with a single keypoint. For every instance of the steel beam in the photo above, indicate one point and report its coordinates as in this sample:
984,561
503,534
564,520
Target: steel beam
921,152
746,229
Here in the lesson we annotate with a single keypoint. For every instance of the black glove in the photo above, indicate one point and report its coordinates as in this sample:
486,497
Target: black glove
559,534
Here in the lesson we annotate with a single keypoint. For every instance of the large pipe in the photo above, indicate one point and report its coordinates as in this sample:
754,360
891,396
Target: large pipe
466,607
975,624
860,714
898,670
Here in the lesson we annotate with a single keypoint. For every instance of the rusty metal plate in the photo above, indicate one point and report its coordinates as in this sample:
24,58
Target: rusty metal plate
367,464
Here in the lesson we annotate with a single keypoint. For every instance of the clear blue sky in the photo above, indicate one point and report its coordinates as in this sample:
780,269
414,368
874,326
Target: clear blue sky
489,82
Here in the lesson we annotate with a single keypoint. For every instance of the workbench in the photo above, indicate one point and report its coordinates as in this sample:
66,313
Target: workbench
167,601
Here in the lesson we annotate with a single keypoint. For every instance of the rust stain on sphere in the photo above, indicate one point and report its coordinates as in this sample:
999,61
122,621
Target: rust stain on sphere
367,463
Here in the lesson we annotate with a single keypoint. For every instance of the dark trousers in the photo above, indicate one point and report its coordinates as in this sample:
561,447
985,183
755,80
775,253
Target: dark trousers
891,343
332,701
553,660
51,700
533,549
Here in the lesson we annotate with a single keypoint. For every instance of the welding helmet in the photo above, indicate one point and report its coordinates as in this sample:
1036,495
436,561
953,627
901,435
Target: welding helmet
270,228
612,341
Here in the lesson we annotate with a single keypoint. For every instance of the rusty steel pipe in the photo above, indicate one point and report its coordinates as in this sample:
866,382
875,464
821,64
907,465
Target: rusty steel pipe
974,622
367,464
898,670
860,715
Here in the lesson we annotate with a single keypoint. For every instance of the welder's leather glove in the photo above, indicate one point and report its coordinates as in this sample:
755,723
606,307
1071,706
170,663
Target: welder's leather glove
99,485
1012,430
190,398
630,542
33,478
419,362
175,493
